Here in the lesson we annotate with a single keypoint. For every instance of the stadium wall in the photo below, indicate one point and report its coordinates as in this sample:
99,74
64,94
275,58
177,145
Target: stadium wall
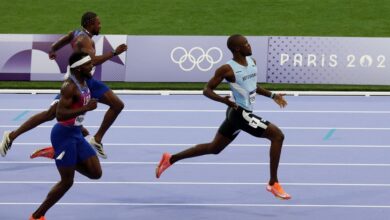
310,60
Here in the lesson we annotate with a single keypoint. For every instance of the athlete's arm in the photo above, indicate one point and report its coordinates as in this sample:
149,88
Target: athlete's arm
86,45
277,97
64,107
59,44
223,72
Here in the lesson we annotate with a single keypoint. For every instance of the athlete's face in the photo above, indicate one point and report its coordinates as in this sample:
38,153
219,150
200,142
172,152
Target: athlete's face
86,69
95,26
244,46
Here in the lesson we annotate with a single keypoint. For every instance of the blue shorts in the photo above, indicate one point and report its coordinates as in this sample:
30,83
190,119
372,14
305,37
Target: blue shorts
70,147
96,87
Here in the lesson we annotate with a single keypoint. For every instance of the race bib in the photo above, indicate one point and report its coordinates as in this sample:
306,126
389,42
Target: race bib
79,120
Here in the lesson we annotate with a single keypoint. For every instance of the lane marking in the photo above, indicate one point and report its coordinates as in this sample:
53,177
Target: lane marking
205,204
211,127
200,183
214,163
231,145
221,110
20,116
329,134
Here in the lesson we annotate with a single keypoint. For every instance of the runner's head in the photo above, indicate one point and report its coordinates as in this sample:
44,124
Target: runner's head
80,63
239,44
91,22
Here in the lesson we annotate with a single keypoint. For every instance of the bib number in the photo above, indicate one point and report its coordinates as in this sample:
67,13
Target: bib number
79,120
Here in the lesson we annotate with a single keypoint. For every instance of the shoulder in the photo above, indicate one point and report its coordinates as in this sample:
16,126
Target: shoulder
224,69
225,72
68,88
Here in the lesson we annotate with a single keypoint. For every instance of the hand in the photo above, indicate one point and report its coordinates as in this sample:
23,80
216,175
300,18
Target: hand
52,55
278,98
84,131
120,49
91,105
230,103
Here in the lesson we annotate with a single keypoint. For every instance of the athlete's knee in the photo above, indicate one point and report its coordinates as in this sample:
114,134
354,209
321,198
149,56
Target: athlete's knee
97,174
66,183
214,149
273,133
117,105
279,136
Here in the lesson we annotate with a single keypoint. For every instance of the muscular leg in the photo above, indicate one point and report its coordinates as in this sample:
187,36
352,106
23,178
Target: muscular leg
56,193
34,121
90,168
275,135
215,147
116,106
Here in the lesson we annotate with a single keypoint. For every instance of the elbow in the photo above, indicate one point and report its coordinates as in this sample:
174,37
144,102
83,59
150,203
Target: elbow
205,91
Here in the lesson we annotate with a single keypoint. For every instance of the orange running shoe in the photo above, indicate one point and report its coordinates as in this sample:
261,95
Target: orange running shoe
41,218
163,165
278,191
47,152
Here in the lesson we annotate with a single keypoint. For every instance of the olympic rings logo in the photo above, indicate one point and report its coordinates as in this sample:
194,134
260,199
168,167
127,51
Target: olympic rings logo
191,59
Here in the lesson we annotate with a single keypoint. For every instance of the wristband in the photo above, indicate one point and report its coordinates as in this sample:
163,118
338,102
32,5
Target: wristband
114,53
272,96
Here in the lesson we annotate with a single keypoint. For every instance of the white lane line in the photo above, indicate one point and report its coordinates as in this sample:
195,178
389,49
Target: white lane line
248,205
215,163
201,183
231,145
221,110
210,127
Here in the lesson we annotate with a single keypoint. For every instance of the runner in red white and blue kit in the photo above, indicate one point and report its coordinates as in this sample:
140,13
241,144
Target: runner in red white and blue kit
72,151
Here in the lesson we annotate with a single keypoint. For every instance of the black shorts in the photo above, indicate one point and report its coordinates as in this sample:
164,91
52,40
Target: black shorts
241,119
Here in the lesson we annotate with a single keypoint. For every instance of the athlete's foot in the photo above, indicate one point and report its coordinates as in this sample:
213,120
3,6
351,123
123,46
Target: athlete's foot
278,191
41,218
163,165
47,152
6,143
98,147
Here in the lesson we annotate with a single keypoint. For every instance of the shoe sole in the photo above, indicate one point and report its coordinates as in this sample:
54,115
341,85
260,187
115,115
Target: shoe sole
277,196
158,167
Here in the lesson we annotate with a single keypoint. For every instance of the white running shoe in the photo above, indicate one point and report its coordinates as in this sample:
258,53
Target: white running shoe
98,147
6,143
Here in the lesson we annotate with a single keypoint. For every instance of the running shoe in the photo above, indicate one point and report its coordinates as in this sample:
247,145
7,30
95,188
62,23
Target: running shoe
41,218
278,191
6,144
98,147
47,152
163,165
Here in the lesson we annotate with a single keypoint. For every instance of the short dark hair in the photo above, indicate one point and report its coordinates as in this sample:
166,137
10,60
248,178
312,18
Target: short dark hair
232,41
88,18
76,56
